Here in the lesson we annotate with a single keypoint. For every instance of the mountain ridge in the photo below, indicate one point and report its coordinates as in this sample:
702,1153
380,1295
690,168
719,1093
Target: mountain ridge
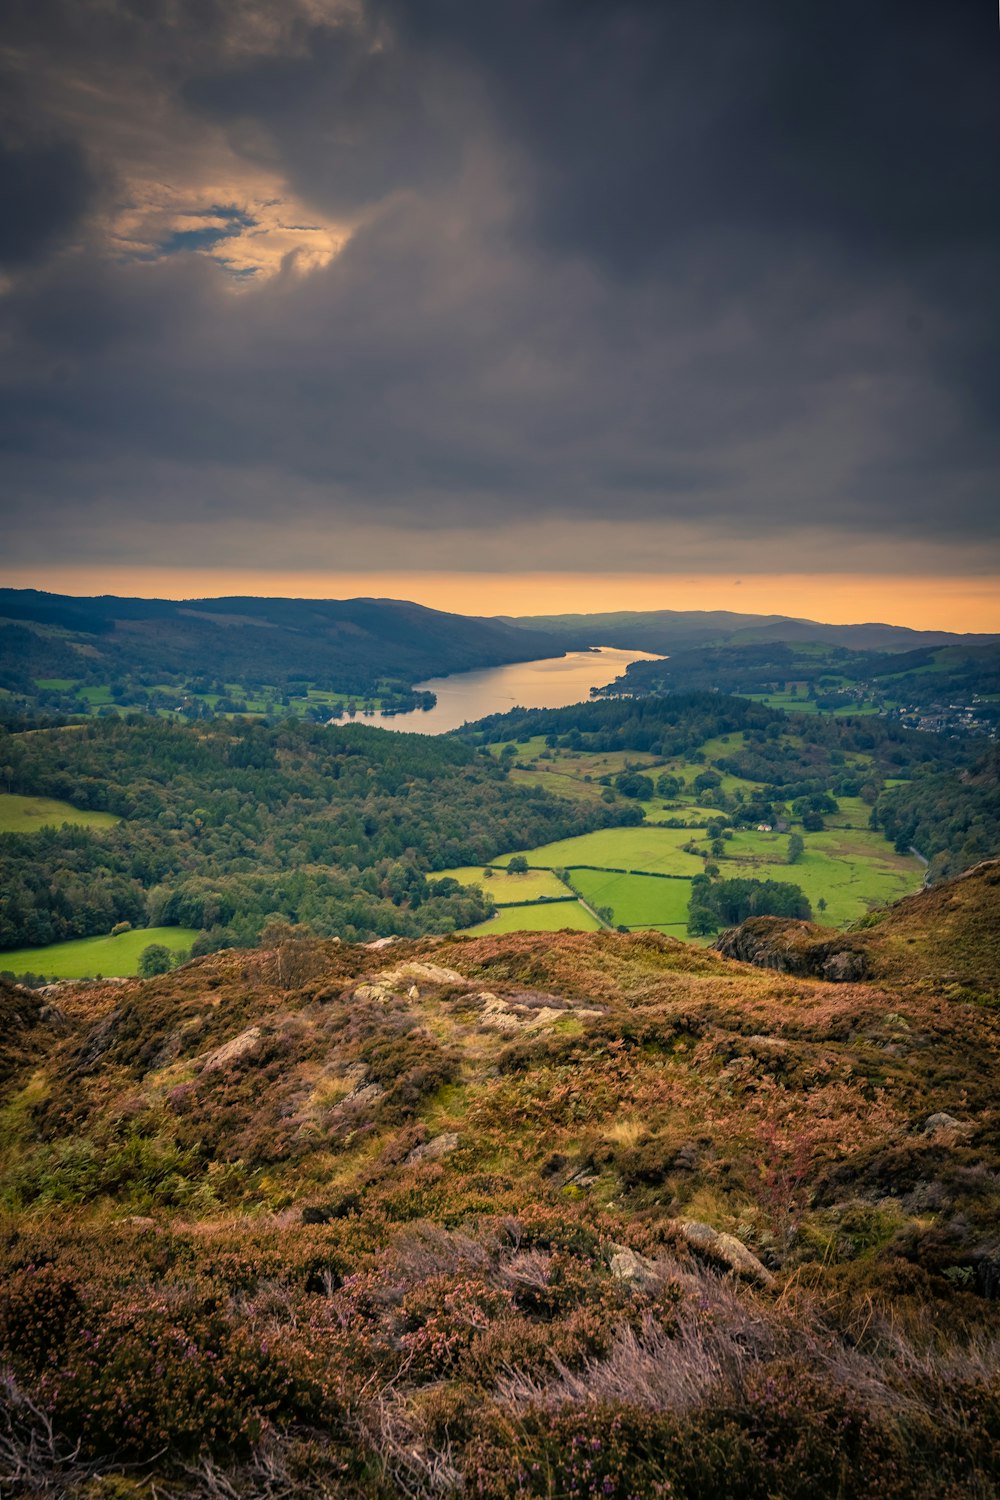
666,630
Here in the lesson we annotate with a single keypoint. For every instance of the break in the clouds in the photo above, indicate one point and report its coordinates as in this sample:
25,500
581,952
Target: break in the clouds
358,283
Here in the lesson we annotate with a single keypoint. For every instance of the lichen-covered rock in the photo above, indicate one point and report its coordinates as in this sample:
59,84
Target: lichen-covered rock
635,1269
845,967
793,947
433,1150
944,1124
233,1051
727,1249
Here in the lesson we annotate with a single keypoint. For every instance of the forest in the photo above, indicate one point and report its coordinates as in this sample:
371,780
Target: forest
229,825
831,677
351,645
795,753
953,818
225,827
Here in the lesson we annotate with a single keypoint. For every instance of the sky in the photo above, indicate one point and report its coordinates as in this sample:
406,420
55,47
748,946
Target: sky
536,304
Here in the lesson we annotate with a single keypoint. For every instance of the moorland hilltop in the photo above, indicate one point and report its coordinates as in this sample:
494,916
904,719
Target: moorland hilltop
563,1214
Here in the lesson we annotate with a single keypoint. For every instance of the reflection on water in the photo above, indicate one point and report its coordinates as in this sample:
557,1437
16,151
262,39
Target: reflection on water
550,683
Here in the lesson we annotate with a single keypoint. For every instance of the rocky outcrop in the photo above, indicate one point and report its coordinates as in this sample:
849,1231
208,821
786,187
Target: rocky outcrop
799,948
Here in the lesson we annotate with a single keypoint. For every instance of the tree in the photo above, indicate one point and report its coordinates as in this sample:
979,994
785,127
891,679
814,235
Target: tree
154,960
631,784
518,865
796,845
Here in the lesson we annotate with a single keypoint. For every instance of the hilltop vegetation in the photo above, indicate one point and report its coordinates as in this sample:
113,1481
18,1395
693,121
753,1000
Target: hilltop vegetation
674,631
584,1214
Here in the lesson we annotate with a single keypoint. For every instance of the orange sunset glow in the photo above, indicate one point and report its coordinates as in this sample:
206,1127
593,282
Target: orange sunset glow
958,604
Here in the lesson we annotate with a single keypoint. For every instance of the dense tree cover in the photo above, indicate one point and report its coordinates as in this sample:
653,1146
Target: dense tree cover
724,903
224,826
830,675
794,754
659,726
347,645
951,818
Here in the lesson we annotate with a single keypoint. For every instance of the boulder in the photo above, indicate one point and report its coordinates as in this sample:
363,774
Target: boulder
233,1051
725,1248
943,1124
634,1269
433,1150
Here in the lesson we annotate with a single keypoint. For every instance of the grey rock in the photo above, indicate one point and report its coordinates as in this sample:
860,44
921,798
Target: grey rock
943,1124
727,1249
845,967
634,1269
433,1150
233,1051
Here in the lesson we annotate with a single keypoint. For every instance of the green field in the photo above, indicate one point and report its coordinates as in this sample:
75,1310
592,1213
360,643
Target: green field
505,888
637,900
850,868
854,813
546,916
28,814
640,849
85,958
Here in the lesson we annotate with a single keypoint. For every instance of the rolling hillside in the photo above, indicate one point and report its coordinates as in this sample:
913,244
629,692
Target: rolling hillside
343,644
571,1214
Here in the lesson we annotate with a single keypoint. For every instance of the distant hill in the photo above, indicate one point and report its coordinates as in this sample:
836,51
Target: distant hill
344,644
668,630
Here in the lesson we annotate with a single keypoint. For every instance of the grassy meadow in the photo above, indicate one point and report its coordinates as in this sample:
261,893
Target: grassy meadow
505,889
637,900
29,814
85,958
543,916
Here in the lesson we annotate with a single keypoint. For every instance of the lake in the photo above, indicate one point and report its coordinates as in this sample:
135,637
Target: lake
549,683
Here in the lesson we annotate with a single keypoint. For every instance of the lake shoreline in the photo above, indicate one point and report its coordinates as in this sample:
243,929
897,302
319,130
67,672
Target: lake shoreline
545,682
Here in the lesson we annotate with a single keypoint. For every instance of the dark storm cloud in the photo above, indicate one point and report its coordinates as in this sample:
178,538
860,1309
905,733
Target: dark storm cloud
722,271
876,125
45,190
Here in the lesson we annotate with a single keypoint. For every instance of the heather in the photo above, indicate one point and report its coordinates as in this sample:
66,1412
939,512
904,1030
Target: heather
572,1214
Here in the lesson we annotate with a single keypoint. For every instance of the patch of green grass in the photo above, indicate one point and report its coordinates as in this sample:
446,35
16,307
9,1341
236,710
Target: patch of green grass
559,784
637,900
29,814
506,888
851,869
854,813
546,916
84,958
791,702
640,849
